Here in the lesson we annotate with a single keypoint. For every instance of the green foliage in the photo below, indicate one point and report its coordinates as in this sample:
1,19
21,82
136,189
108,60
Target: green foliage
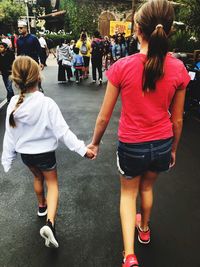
10,12
79,16
190,15
183,42
56,38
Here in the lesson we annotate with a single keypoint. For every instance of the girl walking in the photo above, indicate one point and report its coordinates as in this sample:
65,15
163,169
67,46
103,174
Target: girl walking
34,125
152,85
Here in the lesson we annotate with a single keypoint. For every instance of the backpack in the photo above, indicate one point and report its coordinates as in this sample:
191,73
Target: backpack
97,48
84,49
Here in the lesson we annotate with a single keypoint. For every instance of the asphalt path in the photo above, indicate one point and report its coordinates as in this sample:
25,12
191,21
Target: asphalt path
88,223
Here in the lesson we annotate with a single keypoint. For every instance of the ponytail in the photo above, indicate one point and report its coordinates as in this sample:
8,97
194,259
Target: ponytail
157,50
11,118
154,19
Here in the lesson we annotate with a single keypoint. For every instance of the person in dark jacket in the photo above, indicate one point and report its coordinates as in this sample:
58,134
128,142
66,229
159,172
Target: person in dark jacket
28,44
97,50
6,60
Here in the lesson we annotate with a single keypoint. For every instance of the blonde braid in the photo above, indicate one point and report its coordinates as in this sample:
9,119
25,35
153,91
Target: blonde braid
19,102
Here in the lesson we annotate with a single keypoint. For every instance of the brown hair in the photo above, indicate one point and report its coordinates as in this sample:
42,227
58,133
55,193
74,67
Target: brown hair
25,75
155,20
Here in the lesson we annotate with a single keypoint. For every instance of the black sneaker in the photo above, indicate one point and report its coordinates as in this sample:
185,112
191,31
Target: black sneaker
42,211
48,233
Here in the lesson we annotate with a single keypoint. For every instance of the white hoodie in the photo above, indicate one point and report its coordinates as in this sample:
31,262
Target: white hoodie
39,126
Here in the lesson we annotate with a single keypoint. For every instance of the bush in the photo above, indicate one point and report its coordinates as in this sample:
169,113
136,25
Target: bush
57,37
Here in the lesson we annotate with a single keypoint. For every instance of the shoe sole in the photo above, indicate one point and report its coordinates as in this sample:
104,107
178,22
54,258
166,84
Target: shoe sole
42,214
47,234
143,242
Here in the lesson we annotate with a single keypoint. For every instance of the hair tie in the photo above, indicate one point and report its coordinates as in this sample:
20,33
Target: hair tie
159,26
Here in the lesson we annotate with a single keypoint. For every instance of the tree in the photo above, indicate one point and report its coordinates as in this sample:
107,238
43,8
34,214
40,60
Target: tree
80,15
190,15
9,14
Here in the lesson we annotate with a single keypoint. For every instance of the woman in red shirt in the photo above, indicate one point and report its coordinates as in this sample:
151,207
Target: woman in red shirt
152,86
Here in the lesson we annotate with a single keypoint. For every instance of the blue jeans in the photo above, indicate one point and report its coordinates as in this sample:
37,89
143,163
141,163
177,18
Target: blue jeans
135,159
8,85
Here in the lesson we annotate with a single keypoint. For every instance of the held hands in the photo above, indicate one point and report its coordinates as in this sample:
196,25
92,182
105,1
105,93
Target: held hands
92,151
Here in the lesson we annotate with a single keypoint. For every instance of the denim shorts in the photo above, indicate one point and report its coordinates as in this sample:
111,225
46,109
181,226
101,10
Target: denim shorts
44,161
135,159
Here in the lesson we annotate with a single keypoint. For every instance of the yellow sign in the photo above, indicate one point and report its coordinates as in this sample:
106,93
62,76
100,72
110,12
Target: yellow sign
120,26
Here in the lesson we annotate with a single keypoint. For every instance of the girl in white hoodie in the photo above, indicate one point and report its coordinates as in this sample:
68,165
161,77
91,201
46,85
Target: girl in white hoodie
34,125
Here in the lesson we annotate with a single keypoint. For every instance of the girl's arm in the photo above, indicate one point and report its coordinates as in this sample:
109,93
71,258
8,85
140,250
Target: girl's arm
64,134
9,153
104,116
176,109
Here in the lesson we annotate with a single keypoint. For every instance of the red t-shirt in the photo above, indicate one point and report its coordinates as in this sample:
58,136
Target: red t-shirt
145,116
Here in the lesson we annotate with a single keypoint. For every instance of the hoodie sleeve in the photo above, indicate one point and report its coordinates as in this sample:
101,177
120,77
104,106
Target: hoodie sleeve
9,153
62,131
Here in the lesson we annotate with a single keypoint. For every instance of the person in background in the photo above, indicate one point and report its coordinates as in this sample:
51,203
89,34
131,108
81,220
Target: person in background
44,49
7,57
34,125
152,86
84,46
64,59
78,64
97,49
28,44
50,46
119,47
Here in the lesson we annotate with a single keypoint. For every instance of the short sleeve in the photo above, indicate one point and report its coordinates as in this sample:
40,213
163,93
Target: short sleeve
184,78
114,74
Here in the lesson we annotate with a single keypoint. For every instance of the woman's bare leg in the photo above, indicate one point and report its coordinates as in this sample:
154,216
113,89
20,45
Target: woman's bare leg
52,193
146,193
129,191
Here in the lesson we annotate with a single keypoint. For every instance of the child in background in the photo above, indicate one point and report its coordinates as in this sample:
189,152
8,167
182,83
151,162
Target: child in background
34,125
78,64
7,57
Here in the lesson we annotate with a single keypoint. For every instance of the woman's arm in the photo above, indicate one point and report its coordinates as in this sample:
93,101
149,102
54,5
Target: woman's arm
104,116
176,109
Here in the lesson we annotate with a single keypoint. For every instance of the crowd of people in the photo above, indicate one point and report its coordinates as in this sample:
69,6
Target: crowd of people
73,56
101,52
152,86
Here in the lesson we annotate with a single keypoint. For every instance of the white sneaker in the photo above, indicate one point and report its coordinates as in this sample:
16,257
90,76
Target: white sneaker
48,233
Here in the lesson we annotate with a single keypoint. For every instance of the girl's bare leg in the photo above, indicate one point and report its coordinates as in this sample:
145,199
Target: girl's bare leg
52,193
129,191
38,185
146,193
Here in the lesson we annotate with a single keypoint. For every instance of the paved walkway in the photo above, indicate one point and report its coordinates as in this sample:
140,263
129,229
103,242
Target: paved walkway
88,224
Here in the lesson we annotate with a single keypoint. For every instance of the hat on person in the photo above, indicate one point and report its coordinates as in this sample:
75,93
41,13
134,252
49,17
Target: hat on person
22,23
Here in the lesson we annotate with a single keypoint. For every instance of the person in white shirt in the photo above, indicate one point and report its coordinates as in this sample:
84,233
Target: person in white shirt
34,125
44,48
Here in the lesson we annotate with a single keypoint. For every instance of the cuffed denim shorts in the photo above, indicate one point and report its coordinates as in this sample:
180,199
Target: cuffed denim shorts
44,161
135,159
